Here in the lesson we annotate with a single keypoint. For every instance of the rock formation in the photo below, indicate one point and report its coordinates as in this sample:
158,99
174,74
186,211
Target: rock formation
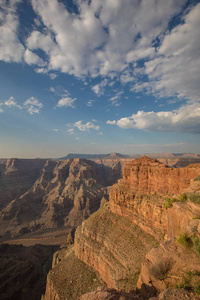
65,193
17,176
116,240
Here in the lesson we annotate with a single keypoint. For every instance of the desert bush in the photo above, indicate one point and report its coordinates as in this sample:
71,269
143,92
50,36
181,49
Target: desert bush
161,268
169,202
196,245
182,197
185,240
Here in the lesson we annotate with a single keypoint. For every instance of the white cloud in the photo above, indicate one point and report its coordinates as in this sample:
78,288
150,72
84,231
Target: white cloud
100,87
10,47
11,102
111,122
1,110
32,105
109,38
71,131
86,127
184,119
115,99
66,102
32,58
175,70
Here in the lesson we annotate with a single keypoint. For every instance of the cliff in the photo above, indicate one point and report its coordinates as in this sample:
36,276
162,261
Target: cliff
17,176
64,194
141,194
121,240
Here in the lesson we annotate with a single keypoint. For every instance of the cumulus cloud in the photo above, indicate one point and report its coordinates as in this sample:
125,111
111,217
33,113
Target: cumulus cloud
86,127
32,58
11,48
175,70
66,102
184,119
32,105
110,38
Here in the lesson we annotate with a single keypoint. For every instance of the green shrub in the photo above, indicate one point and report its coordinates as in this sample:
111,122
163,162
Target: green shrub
182,197
196,245
197,288
169,202
185,240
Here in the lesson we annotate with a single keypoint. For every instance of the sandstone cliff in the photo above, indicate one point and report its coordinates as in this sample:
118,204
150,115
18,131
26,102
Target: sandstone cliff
117,240
141,194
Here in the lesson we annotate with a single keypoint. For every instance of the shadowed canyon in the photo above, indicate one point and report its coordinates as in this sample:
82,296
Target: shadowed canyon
137,236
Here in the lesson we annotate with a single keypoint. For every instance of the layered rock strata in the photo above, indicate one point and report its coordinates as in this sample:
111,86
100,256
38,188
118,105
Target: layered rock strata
141,194
65,193
113,246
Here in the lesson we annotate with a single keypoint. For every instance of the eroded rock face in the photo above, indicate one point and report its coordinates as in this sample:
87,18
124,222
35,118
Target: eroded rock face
141,194
148,176
17,176
65,193
113,246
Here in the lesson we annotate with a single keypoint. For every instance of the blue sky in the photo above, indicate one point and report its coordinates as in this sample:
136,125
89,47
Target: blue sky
99,76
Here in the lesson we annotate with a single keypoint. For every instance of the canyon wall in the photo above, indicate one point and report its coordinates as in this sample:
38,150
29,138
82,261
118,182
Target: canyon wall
64,194
141,194
17,176
123,236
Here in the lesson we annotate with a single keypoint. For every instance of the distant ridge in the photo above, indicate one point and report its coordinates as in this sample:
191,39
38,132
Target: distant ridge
133,156
95,156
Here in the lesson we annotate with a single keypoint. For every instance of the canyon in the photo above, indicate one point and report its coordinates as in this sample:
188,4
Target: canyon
132,242
125,229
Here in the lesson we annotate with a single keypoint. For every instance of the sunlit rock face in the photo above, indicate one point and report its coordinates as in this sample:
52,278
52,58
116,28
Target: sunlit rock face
141,193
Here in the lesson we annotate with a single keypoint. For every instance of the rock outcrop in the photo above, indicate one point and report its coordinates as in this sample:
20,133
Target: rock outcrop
141,193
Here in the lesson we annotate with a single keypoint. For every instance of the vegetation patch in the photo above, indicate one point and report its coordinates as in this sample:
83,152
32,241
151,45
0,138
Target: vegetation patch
197,178
190,282
169,202
160,269
190,242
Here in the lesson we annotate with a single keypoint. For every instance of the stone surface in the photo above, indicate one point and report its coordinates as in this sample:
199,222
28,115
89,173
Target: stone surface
168,265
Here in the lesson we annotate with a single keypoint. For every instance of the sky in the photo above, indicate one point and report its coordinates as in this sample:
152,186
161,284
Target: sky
99,76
